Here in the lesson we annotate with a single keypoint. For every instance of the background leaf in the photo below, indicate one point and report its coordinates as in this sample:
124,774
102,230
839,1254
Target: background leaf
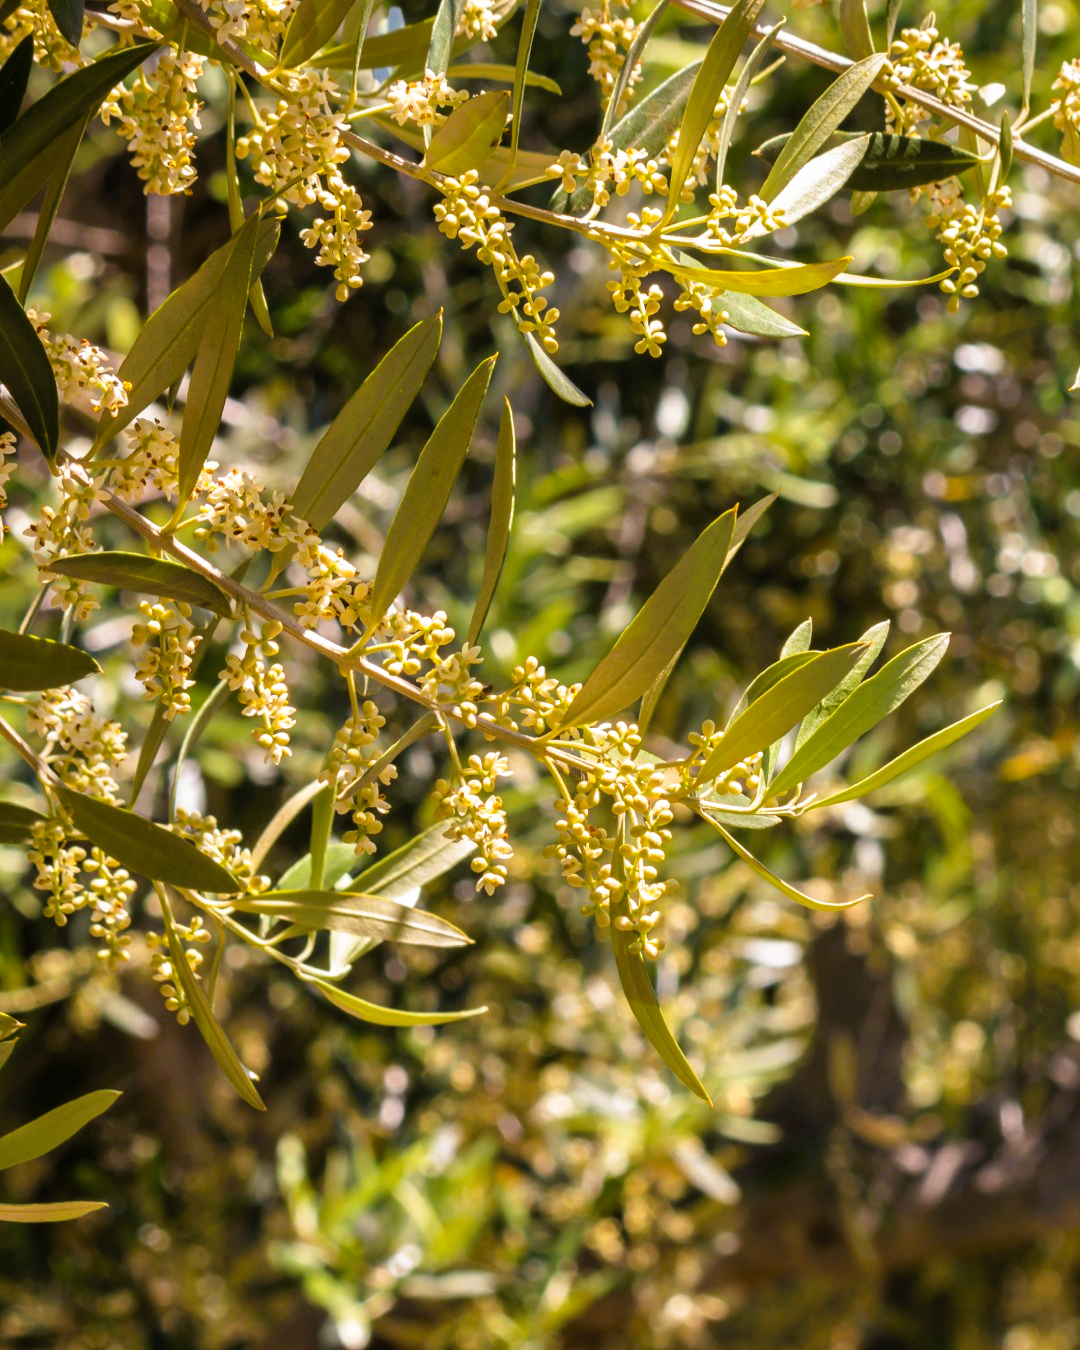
891,163
54,1128
30,663
68,17
502,518
152,576
14,77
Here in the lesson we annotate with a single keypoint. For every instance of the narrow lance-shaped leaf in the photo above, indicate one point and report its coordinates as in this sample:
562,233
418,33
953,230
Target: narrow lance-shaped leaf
358,436
16,823
28,663
68,17
779,709
892,13
1029,27
638,990
658,631
144,847
890,163
767,874
521,72
872,640
154,576
748,314
428,490
630,62
14,77
337,863
171,337
821,121
502,517
734,108
27,374
716,68
496,70
45,1133
554,377
469,134
817,182
64,152
855,27
9,1025
55,1211
313,24
797,280
862,710
30,143
214,362
910,759
386,1017
202,1014
401,47
422,859
442,41
357,913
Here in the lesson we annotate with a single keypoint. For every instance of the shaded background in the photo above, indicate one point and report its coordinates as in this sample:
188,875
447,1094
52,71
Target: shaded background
892,1161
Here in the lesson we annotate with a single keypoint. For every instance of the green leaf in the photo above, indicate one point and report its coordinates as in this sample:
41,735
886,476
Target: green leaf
15,826
554,377
219,345
29,663
493,70
30,143
890,163
647,126
892,13
521,79
385,1017
9,1025
821,121
910,758
208,1026
313,24
766,874
55,1211
14,77
153,576
749,315
1029,29
402,47
336,864
64,154
360,433
469,134
172,336
428,490
47,1132
630,61
796,280
502,518
357,913
734,107
862,710
722,809
779,708
873,640
658,631
442,35
855,26
638,990
421,860
144,847
25,370
817,182
68,17
716,68
772,675
1005,148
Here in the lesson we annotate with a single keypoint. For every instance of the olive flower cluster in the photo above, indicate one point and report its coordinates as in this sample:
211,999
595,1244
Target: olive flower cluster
921,59
476,812
348,773
164,667
609,35
264,694
1066,109
156,114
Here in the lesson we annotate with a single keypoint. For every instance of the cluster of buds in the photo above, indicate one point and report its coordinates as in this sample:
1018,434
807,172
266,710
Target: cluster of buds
348,773
1066,109
477,21
7,468
192,936
423,103
755,218
971,234
157,116
535,700
238,508
164,668
223,846
609,170
83,748
629,295
260,683
608,35
476,812
84,373
920,59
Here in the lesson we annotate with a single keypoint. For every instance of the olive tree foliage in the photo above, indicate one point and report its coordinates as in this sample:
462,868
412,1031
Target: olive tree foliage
318,95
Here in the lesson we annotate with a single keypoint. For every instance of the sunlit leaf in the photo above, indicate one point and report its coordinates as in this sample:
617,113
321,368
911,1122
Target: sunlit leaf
890,163
442,35
9,1025
734,108
386,1017
357,913
339,859
215,359
855,27
1029,29
64,156
144,847
313,24
14,77
502,518
153,576
554,376
892,13
171,338
862,710
521,79
716,67
55,1211
360,433
28,663
873,640
209,1027
779,708
766,874
53,1128
16,823
821,121
405,46
658,631
494,70
818,181
910,758
748,314
422,859
630,62
30,143
428,490
469,134
26,373
796,280
638,990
